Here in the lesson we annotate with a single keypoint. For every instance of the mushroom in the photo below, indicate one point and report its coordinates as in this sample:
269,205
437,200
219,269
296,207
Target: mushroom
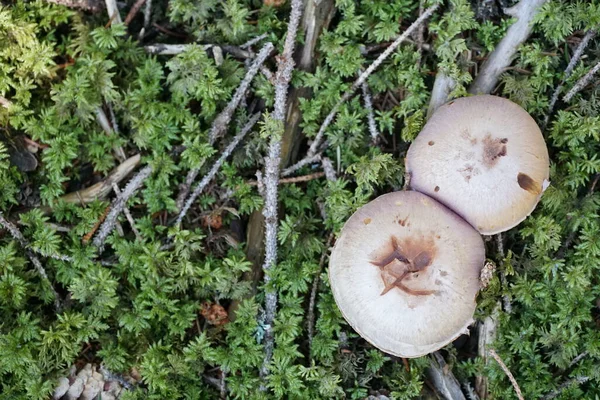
485,158
404,273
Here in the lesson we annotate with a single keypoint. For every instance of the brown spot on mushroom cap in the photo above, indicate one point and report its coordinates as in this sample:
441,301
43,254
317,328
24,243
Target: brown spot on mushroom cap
527,183
390,281
482,143
367,221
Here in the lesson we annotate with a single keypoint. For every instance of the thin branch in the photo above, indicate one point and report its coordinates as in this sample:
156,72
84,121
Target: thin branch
134,10
508,374
581,83
164,49
253,41
300,164
578,358
505,51
578,380
147,15
328,169
442,378
215,168
18,236
285,67
570,67
312,151
366,93
119,204
110,131
221,122
127,213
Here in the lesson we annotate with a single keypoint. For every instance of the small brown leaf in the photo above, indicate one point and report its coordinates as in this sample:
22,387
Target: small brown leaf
214,314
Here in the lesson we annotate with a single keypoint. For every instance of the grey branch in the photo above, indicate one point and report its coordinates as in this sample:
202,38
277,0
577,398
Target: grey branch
253,41
118,205
581,83
285,67
312,151
440,94
578,380
215,168
366,93
113,11
574,60
18,236
305,161
164,49
221,122
127,213
442,379
505,51
110,130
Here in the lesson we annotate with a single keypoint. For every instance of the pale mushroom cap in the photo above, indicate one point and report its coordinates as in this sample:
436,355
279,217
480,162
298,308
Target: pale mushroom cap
485,158
435,304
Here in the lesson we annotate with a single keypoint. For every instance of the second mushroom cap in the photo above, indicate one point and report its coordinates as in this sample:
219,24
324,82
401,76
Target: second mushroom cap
485,158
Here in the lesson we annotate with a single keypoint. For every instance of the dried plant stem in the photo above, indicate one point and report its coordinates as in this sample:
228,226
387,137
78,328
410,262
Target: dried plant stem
504,52
581,83
215,168
221,122
440,94
312,151
285,67
305,161
118,205
90,5
570,67
508,373
18,236
164,49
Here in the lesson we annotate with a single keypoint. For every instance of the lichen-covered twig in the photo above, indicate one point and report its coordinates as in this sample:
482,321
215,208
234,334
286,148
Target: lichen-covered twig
253,41
119,204
504,52
366,93
147,15
88,5
581,83
285,67
314,147
221,122
110,130
18,236
570,67
509,374
215,168
305,161
164,49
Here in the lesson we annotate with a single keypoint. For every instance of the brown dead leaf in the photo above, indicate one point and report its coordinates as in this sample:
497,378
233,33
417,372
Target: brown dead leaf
273,3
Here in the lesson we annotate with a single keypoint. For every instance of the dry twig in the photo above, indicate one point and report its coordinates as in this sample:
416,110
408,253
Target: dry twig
508,374
18,236
581,83
164,49
285,67
574,60
504,52
215,168
442,378
118,205
312,151
113,12
221,122
127,213
134,10
295,179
